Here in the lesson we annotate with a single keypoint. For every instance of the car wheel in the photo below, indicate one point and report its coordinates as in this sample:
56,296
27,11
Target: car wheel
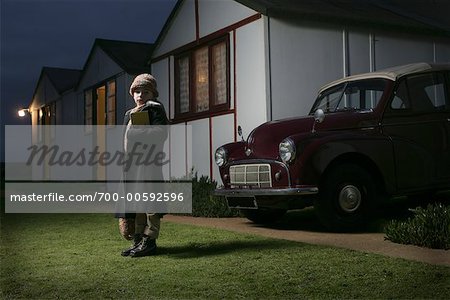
346,198
262,215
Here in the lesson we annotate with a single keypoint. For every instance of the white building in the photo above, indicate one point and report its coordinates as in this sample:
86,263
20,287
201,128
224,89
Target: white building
97,94
221,64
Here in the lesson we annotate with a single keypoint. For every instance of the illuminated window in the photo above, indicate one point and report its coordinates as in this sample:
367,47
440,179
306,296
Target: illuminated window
111,103
183,85
202,80
100,105
88,110
219,74
47,114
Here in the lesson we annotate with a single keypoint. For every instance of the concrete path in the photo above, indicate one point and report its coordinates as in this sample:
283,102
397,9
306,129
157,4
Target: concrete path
307,232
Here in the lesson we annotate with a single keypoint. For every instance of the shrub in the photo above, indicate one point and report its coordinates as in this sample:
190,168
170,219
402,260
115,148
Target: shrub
428,227
204,204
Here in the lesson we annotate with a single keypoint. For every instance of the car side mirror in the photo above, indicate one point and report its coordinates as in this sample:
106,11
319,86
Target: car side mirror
240,132
319,116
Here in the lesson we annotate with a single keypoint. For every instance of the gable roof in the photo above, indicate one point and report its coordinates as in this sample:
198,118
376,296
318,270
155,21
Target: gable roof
62,79
132,57
423,16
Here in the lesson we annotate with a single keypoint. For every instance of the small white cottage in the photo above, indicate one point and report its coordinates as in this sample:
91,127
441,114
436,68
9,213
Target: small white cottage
54,87
97,94
221,64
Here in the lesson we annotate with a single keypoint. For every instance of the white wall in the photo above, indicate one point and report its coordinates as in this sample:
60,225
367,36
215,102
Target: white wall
358,53
305,57
302,60
218,14
99,68
124,101
45,93
222,133
198,151
67,109
176,148
160,70
181,31
250,76
393,49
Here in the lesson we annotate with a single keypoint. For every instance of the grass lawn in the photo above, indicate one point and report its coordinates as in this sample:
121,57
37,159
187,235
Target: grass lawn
78,256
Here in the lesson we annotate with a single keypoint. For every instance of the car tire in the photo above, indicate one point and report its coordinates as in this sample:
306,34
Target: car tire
346,197
263,216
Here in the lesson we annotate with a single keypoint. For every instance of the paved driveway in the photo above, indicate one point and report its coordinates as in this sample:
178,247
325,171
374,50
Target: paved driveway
308,231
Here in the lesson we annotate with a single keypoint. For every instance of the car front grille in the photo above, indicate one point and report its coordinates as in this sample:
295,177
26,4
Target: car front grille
255,175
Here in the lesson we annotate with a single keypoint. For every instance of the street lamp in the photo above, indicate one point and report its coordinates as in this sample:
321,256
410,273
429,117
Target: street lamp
22,112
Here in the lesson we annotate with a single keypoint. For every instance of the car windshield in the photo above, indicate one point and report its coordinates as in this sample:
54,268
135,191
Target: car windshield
355,95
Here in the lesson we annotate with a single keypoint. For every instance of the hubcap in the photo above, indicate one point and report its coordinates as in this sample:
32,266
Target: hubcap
349,198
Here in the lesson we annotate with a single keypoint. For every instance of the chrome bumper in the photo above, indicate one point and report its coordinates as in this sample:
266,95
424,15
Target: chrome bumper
266,192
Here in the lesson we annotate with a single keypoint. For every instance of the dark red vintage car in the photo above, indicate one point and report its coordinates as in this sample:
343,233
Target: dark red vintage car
367,137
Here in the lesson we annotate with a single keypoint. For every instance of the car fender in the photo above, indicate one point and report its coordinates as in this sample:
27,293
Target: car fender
318,152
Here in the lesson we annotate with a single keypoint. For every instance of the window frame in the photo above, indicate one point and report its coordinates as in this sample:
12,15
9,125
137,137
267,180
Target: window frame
88,127
107,108
92,90
213,109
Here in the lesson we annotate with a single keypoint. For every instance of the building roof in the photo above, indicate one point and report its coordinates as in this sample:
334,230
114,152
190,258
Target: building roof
392,73
426,16
132,57
62,79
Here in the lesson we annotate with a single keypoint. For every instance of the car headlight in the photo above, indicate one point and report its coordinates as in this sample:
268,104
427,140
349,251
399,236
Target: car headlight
220,156
287,150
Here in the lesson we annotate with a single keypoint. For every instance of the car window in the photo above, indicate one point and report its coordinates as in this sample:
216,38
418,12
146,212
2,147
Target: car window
436,93
427,92
420,93
357,95
401,100
362,95
329,100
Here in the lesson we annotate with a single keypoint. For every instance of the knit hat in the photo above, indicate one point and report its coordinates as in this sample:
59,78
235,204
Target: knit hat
145,81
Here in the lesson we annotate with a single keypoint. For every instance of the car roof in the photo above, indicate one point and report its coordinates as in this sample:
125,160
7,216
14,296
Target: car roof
393,73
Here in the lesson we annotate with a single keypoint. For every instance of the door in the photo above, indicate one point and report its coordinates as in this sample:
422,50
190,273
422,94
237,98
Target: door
101,129
416,121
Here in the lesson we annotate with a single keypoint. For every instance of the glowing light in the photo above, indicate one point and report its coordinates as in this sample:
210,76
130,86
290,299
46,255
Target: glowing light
22,112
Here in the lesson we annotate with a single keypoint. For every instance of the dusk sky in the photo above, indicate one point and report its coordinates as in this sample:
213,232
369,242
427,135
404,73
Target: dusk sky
60,33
